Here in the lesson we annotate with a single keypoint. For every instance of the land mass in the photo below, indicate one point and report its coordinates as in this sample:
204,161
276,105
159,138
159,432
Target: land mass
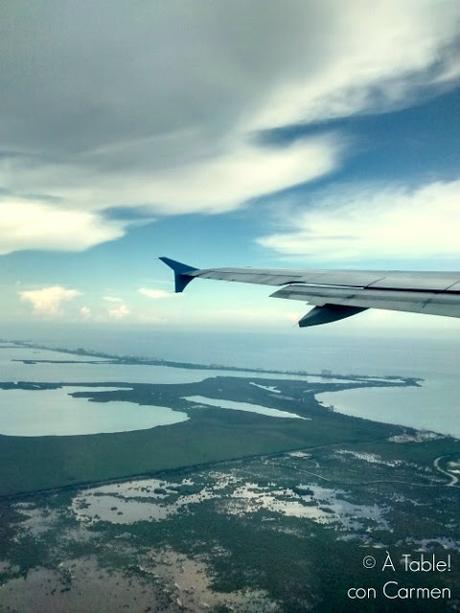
230,510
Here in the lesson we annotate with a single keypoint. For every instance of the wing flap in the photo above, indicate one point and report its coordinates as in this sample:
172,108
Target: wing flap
432,303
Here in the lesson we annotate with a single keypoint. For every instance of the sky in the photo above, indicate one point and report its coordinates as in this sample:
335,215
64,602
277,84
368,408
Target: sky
290,133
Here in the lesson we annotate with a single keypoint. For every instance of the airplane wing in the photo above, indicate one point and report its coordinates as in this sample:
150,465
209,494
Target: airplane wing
337,294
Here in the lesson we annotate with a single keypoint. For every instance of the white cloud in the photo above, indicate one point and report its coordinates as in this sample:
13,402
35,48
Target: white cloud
112,299
242,173
155,293
91,117
85,312
372,222
119,312
373,57
220,183
28,224
48,300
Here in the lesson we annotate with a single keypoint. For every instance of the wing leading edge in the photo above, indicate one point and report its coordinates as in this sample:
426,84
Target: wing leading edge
337,294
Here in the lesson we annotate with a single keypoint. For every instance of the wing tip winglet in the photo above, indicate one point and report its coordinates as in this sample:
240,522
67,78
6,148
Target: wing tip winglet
181,273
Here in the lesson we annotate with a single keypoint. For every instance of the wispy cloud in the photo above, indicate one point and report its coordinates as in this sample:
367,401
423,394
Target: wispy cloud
48,300
32,224
112,299
182,140
221,182
376,222
374,59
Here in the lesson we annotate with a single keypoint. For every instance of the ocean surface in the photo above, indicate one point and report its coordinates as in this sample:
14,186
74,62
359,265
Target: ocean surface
74,368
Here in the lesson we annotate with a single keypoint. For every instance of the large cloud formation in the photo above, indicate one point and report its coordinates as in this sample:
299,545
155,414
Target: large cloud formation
157,105
391,221
48,300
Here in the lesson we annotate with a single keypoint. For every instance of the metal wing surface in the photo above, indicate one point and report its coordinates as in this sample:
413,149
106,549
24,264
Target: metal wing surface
337,294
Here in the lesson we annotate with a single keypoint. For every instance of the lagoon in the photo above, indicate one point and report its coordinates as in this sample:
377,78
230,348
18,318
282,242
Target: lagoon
241,406
55,412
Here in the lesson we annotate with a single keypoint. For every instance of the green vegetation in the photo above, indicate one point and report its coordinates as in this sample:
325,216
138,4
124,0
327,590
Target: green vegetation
211,435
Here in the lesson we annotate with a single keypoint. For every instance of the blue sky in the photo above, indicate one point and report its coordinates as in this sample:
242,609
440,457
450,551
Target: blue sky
264,134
